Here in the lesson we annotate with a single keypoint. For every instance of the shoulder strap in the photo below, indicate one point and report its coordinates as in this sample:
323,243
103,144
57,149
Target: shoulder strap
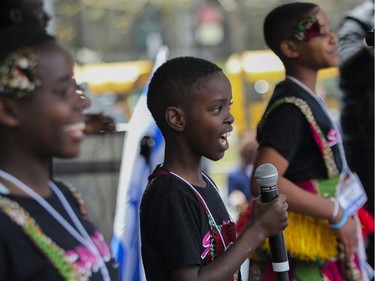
318,135
50,249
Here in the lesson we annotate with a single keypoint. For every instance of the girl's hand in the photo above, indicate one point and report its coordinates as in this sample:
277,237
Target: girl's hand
348,236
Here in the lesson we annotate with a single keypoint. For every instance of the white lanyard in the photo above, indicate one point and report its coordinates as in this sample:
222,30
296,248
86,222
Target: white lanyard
323,106
204,202
81,235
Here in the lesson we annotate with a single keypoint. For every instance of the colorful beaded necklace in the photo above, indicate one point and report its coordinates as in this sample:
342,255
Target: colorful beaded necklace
78,233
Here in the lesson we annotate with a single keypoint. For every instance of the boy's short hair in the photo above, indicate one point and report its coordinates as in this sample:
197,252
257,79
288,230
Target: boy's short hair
280,22
174,83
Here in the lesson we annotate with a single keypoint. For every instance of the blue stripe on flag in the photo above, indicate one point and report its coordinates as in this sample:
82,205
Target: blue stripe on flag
126,244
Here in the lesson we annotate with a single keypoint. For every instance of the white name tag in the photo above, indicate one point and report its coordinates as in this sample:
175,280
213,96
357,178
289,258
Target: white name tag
351,194
3,189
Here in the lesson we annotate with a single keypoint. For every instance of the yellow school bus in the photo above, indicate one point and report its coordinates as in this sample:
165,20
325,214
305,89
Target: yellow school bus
117,77
117,84
254,74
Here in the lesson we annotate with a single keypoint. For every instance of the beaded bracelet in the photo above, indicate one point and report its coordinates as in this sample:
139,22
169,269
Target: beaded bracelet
342,221
335,208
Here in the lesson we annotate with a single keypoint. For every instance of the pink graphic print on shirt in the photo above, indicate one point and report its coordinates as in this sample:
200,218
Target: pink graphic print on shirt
213,242
85,260
332,137
206,244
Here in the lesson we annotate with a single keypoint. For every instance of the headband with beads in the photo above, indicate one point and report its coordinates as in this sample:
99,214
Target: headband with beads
17,74
306,29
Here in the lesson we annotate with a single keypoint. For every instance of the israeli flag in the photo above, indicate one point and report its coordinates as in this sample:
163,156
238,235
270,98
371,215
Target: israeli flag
143,150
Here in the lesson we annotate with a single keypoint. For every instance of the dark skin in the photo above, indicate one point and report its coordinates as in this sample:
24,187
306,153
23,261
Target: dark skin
48,124
186,144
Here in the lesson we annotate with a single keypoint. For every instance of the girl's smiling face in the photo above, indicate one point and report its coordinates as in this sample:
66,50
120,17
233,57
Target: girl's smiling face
51,121
208,117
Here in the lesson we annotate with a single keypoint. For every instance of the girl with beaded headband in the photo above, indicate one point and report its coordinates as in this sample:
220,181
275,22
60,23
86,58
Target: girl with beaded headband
297,135
45,232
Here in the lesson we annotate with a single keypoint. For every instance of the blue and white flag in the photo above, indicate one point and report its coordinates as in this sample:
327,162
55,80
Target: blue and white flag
134,172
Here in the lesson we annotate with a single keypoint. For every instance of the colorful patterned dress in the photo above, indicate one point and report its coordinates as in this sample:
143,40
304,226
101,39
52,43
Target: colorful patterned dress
296,126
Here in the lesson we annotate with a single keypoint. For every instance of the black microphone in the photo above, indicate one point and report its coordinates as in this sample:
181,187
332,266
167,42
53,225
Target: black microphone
266,176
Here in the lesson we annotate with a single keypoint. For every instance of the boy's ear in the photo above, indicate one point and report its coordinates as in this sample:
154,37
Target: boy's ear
8,114
289,49
175,118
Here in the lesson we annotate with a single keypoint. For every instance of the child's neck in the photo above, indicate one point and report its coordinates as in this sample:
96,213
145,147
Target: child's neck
308,78
33,177
191,173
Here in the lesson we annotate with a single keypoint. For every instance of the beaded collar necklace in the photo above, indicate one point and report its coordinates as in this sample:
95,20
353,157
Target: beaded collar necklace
325,110
81,234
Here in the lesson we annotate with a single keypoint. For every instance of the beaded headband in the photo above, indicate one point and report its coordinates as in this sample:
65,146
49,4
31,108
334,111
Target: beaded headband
306,29
17,74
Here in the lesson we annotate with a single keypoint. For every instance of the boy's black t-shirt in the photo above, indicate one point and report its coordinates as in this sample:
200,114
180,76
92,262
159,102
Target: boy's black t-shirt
20,259
174,226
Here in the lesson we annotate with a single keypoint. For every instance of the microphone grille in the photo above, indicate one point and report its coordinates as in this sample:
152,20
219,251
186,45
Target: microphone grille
266,175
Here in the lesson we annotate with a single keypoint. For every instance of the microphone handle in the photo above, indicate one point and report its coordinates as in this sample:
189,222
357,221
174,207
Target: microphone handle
267,194
279,254
282,276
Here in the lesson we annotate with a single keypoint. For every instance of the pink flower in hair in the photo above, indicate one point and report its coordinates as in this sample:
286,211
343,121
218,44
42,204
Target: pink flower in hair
306,29
17,74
